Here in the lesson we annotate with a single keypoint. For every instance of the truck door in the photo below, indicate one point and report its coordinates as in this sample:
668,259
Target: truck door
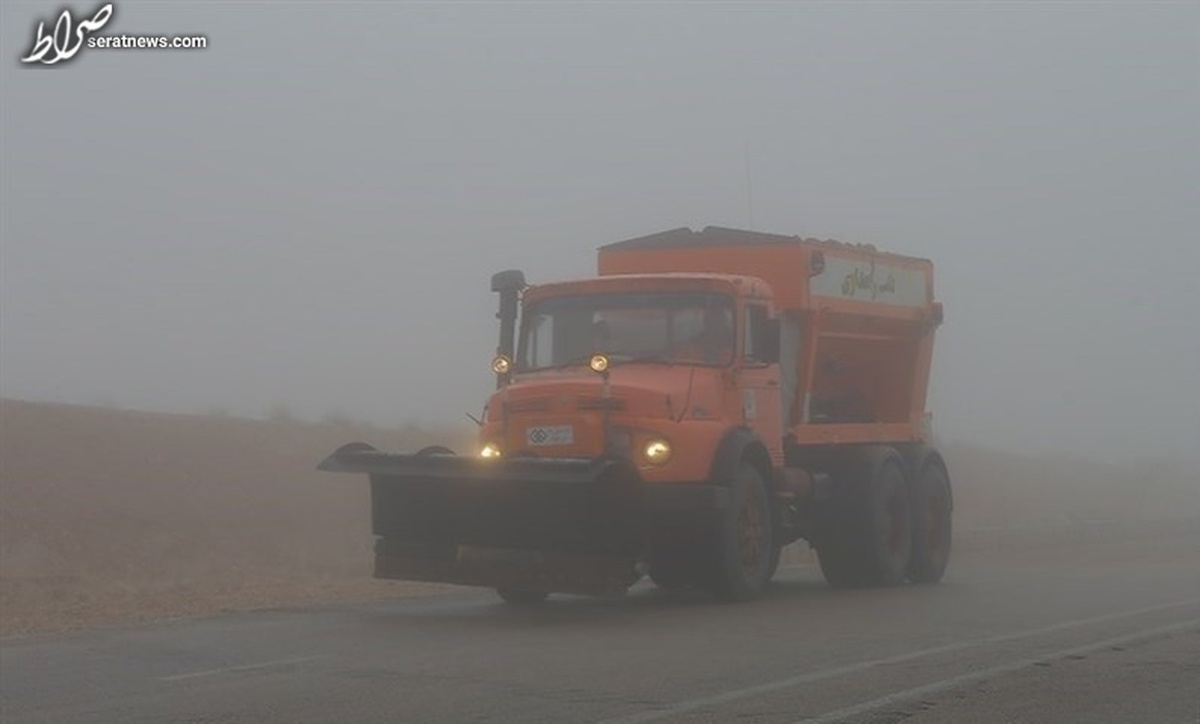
758,378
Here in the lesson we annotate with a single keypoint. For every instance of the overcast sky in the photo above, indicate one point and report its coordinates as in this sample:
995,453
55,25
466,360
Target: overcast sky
308,212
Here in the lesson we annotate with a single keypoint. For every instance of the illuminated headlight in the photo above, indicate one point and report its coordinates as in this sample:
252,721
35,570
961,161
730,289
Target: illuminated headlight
490,450
501,364
657,452
598,363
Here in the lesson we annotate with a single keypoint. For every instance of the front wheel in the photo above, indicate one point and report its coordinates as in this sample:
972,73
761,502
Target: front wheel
745,546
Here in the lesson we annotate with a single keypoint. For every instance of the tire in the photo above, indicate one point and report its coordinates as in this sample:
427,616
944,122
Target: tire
518,597
890,534
745,542
868,540
932,507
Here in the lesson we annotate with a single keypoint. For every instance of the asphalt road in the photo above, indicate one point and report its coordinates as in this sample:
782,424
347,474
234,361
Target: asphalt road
1099,626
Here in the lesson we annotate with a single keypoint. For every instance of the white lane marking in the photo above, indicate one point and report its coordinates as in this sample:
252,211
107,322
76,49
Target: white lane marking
689,705
957,681
243,667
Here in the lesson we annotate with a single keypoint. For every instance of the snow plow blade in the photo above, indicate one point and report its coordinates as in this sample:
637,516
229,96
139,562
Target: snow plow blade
555,525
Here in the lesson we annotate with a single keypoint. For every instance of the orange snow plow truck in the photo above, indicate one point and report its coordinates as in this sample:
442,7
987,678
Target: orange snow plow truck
705,400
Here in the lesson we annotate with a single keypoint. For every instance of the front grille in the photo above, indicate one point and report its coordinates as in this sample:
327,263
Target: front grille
600,403
533,404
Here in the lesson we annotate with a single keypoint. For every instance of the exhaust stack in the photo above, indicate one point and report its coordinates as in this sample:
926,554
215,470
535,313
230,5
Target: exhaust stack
508,284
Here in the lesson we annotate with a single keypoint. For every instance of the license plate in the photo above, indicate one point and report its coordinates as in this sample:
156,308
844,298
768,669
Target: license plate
550,435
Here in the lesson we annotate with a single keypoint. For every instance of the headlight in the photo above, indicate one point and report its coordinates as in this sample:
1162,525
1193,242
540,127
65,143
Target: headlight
657,452
598,363
501,364
490,450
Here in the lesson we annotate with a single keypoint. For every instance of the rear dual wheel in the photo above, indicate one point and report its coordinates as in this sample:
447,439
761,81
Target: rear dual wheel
931,523
867,537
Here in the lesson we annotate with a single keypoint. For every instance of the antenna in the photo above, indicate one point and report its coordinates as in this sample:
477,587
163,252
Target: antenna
749,186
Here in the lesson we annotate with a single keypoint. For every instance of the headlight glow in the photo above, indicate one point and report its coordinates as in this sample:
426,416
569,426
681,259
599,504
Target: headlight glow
489,450
657,452
501,364
598,363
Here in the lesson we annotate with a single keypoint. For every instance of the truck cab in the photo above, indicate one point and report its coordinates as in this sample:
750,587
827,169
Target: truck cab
641,367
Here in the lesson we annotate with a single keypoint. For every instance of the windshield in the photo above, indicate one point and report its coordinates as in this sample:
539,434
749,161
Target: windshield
686,328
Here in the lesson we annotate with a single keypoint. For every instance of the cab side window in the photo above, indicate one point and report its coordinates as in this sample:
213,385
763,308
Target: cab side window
761,343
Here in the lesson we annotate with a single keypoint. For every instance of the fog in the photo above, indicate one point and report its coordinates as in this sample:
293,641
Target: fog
307,212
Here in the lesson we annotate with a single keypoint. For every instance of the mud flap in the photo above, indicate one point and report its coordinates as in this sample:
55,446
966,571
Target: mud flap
542,524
